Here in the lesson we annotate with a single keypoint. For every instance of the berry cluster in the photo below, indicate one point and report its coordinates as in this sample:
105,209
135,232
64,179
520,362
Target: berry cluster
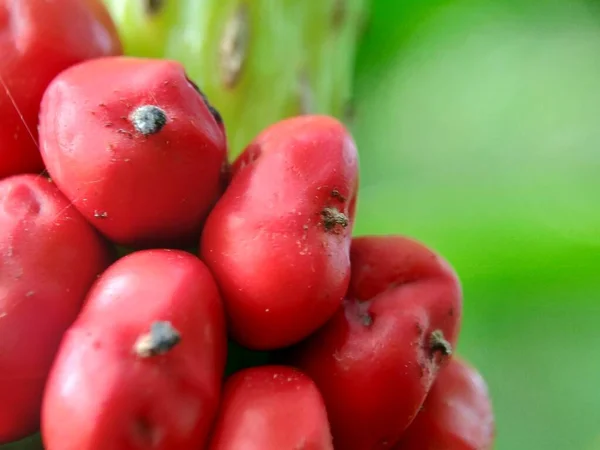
155,295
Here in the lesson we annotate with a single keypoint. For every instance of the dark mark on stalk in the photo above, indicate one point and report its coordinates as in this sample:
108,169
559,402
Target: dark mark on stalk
154,6
160,340
306,99
349,113
148,119
339,13
233,48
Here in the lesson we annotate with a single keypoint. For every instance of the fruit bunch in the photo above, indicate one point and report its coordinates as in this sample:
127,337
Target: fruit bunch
156,293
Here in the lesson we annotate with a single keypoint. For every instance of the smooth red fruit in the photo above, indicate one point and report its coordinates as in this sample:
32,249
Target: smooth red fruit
38,40
457,414
278,239
136,147
376,359
142,366
49,258
271,408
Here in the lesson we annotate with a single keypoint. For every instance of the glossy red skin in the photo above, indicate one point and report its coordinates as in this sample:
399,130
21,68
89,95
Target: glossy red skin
375,377
281,272
457,414
38,40
49,258
102,396
139,191
271,408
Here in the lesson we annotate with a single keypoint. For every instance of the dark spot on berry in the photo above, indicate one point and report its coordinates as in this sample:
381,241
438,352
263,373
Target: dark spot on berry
438,343
161,339
420,329
148,119
333,219
146,435
337,195
421,369
366,319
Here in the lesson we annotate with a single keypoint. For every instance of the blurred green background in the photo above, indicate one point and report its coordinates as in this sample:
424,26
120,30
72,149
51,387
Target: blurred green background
478,126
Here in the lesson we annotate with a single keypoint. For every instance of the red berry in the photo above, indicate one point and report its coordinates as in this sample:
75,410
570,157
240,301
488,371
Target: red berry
135,147
142,366
49,258
375,360
271,408
278,240
38,40
457,414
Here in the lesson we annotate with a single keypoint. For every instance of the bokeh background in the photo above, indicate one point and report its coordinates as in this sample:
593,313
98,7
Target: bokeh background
478,124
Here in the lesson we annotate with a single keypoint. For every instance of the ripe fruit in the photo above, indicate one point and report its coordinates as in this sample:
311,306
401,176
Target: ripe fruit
136,147
375,360
457,414
278,239
39,39
271,408
142,365
49,258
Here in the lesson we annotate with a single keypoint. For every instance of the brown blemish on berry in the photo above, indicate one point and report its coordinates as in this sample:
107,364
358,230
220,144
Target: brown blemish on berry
420,329
333,220
144,433
366,319
422,369
337,195
129,134
438,343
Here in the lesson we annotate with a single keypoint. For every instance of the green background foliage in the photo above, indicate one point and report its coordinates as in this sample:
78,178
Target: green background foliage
477,123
